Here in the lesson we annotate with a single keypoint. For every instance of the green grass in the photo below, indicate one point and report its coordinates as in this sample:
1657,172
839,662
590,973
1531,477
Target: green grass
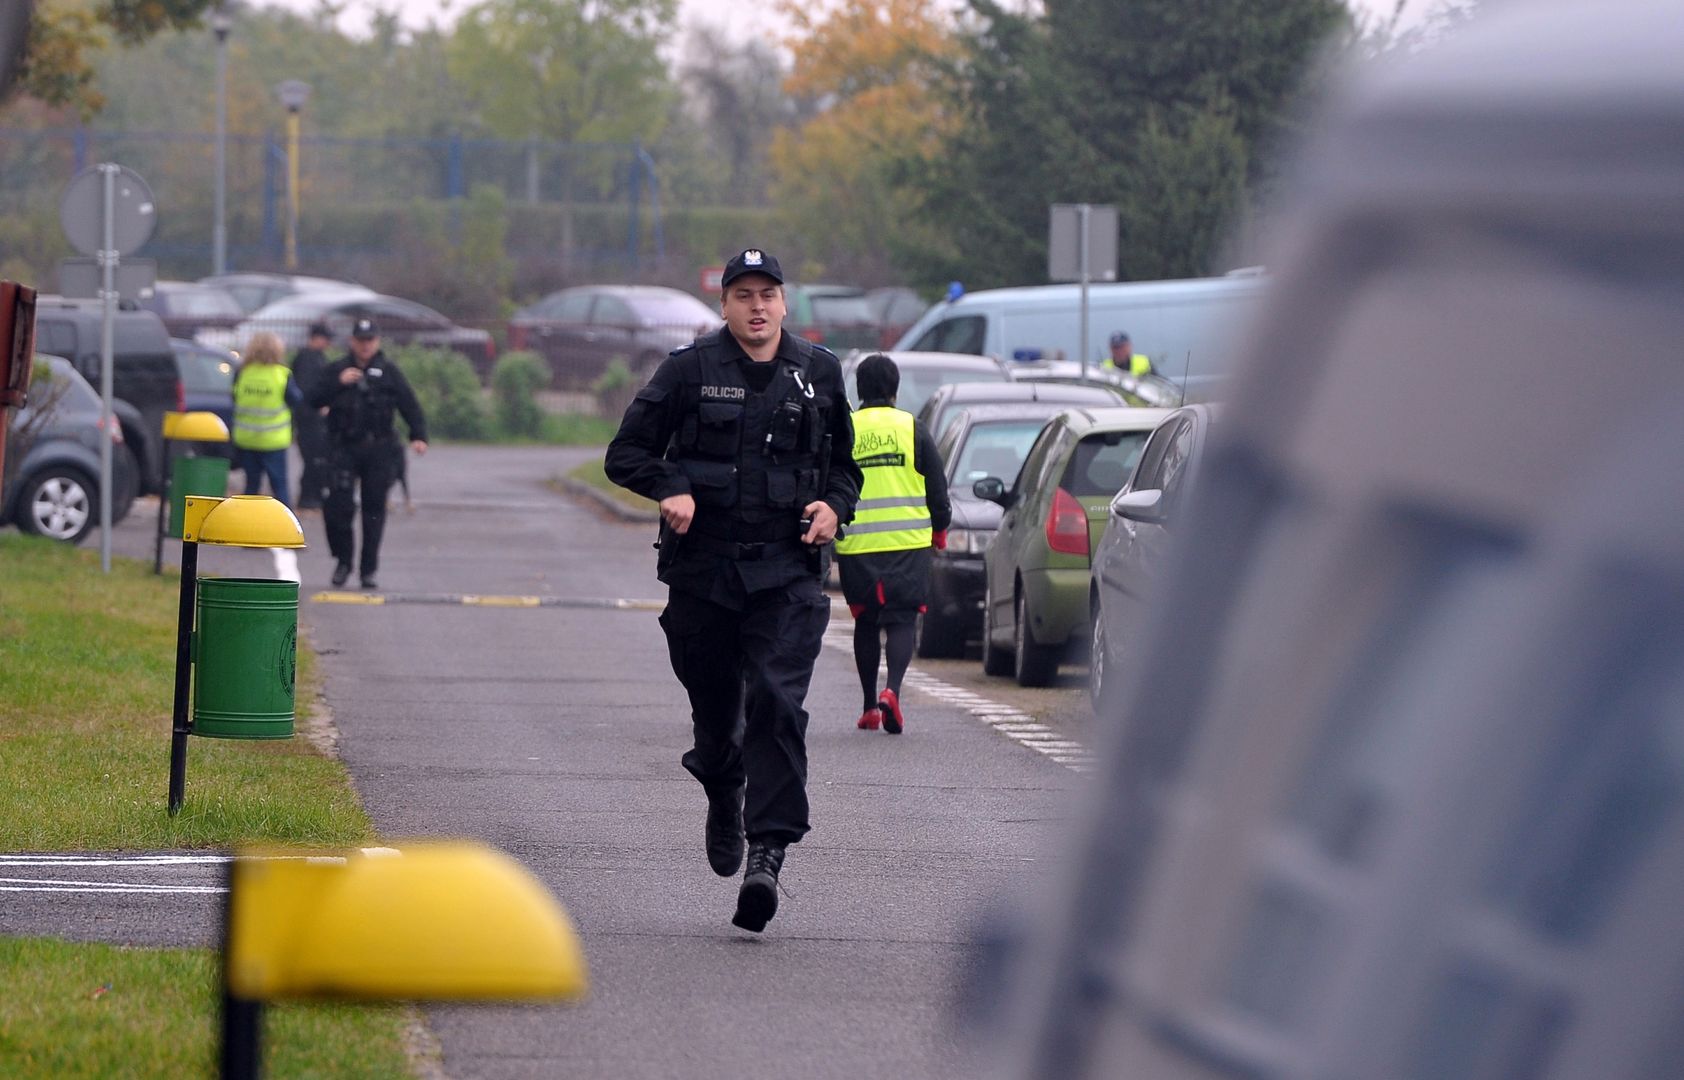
591,473
87,667
577,429
159,1019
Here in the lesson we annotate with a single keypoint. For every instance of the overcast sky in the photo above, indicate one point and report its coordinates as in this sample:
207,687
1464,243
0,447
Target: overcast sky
743,20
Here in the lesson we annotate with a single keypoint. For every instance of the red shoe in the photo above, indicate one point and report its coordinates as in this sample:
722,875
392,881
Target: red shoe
869,719
889,705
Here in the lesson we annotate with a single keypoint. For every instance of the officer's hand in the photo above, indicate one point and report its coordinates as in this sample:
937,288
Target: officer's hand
823,530
419,446
677,510
350,375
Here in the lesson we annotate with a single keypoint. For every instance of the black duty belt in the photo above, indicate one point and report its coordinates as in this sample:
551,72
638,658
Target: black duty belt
749,552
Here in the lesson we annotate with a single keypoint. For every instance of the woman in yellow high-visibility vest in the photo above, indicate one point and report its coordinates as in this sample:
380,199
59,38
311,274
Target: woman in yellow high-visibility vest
884,559
264,397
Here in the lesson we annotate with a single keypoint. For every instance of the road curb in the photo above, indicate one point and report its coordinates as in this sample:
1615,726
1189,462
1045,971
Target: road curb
581,490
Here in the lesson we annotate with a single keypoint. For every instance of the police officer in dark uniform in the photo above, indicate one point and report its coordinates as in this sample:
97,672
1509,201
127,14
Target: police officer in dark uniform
363,392
744,439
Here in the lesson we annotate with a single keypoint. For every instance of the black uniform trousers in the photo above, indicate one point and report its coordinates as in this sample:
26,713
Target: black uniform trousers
313,447
746,673
372,465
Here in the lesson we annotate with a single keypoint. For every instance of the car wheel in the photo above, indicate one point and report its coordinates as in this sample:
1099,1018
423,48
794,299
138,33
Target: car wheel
1099,663
1036,664
59,503
995,660
939,638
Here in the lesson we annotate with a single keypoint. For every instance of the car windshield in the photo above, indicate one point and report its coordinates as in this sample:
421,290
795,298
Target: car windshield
918,382
205,372
993,448
1102,463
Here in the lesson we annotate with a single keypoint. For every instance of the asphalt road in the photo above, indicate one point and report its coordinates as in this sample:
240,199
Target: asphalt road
554,732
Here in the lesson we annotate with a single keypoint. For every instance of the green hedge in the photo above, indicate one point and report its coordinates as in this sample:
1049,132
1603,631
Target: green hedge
448,390
515,383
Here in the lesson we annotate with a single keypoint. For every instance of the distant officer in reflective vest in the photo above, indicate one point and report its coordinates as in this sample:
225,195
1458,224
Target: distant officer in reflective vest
884,559
1124,358
264,397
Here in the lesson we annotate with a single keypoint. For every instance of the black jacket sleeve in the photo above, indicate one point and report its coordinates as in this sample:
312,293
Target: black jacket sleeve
846,479
408,407
927,460
321,390
636,457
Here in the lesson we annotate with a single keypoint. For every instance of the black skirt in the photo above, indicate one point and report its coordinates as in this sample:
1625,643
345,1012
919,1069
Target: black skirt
895,584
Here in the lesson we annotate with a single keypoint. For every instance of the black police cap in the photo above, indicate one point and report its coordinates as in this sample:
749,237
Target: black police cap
751,261
365,328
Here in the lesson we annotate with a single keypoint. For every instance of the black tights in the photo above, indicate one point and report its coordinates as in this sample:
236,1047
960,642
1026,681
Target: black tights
866,653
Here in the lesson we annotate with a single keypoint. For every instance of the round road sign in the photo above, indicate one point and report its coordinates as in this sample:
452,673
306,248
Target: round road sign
82,211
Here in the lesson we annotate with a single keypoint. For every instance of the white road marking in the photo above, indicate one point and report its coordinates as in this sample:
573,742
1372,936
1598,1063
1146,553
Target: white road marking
1011,722
36,884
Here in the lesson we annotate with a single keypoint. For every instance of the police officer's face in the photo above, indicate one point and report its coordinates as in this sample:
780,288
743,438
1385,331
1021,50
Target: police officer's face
753,309
364,348
1122,350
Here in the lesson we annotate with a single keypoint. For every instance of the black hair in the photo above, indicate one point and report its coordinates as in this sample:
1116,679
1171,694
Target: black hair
877,378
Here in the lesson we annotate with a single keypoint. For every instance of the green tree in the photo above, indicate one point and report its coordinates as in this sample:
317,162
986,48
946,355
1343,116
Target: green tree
1164,108
65,36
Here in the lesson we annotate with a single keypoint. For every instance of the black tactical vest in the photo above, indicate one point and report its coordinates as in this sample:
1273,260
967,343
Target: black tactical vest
752,459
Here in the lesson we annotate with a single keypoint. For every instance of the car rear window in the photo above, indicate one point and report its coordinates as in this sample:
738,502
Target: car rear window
1102,463
674,311
918,382
201,303
994,449
842,309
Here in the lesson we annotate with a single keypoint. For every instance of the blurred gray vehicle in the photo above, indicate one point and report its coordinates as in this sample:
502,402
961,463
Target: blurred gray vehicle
401,322
53,456
188,307
1132,552
580,331
1397,791
921,373
253,290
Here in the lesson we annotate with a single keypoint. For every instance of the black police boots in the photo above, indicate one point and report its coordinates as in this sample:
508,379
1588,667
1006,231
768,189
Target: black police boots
725,830
340,573
757,900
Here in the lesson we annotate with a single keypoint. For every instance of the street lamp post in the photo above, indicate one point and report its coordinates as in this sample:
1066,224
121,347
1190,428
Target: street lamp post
293,94
220,25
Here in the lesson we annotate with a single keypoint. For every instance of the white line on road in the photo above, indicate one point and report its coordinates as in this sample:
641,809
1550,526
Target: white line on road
31,884
1013,723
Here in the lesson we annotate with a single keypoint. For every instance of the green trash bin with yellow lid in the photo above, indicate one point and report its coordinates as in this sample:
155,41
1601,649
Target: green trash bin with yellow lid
245,664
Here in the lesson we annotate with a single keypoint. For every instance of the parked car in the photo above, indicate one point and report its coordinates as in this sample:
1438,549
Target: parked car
254,291
983,440
941,407
53,458
580,330
144,381
839,317
922,373
894,309
1129,557
207,380
1035,604
190,306
401,322
1153,391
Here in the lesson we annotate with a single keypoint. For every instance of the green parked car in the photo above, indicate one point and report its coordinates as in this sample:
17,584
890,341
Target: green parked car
1035,607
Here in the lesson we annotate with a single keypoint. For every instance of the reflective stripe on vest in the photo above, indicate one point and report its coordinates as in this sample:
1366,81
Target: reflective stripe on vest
262,420
891,514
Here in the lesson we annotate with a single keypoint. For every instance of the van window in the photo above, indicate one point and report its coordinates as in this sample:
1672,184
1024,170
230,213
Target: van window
960,334
55,337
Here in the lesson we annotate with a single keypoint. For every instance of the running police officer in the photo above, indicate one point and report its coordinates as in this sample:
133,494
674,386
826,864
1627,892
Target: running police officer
744,439
362,393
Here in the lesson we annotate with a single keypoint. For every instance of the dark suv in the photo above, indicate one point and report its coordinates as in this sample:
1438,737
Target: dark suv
580,331
144,380
52,458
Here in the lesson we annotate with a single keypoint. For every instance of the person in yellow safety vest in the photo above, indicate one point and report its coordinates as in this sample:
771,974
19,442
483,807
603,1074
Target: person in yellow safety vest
264,397
884,559
1124,358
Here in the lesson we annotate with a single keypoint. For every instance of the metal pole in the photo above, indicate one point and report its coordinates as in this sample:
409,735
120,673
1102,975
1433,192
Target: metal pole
1082,257
241,1053
107,333
292,189
179,727
219,230
164,494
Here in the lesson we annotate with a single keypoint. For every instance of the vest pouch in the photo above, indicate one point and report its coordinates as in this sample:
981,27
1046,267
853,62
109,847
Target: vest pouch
817,410
719,429
793,488
712,483
786,426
